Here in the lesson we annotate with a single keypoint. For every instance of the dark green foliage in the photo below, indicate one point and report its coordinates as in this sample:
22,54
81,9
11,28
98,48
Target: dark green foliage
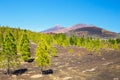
111,41
73,40
25,47
118,40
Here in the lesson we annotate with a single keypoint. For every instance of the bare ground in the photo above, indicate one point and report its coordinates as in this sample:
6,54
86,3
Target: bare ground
76,65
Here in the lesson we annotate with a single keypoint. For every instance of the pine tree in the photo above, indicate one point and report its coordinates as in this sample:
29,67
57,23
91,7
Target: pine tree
73,40
9,58
97,45
42,54
118,40
25,47
1,39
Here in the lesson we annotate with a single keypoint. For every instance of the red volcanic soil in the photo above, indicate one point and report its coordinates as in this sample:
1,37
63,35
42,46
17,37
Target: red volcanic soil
73,63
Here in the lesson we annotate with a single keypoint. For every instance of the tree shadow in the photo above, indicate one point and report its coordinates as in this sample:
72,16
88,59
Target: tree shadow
46,72
19,71
30,60
56,56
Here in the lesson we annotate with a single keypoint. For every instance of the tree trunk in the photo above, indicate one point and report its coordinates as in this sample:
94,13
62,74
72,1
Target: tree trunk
8,67
41,70
8,71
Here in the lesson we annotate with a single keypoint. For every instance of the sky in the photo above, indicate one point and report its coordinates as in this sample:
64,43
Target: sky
39,15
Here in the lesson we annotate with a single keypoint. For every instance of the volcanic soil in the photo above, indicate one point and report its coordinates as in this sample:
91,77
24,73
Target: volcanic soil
71,63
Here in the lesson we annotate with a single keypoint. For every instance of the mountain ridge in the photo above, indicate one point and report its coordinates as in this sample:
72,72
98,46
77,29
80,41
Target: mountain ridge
51,30
81,29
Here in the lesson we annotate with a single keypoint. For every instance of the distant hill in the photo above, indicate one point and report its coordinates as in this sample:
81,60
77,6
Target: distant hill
60,29
65,30
93,31
82,29
53,29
